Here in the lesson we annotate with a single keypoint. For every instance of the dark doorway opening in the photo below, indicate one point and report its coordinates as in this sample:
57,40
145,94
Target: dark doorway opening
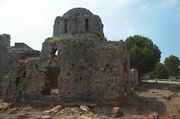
53,73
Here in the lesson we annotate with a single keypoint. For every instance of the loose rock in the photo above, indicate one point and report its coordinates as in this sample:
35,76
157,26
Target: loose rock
154,115
84,108
116,112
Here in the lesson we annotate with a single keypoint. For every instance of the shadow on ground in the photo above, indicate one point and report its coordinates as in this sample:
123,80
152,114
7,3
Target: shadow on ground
134,105
145,86
139,105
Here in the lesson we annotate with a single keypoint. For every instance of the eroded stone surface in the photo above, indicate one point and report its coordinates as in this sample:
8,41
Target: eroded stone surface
92,70
4,43
116,112
11,70
76,21
134,78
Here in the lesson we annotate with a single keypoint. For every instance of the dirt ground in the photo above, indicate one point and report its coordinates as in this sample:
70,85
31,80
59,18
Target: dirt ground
163,98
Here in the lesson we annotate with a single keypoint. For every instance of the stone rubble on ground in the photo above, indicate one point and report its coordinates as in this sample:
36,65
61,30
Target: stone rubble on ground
154,115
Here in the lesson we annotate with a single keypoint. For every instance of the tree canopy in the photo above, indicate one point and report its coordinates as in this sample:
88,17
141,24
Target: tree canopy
159,72
144,54
172,64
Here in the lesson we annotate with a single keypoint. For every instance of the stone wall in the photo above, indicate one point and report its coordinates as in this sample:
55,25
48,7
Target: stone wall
22,46
84,68
4,43
12,75
92,70
4,40
134,78
9,68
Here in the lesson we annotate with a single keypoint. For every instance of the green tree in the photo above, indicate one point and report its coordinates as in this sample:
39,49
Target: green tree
160,71
172,64
144,54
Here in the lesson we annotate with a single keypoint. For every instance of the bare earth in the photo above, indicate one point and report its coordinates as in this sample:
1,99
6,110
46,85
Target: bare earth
162,98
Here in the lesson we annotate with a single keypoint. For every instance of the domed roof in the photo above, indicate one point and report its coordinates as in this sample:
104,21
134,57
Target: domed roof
77,12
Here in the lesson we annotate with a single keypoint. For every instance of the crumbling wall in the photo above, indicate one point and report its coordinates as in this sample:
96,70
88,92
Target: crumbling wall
14,70
134,78
84,68
22,46
4,43
35,81
92,70
4,40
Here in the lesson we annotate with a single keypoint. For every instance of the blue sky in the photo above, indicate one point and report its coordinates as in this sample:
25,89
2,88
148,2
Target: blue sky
31,21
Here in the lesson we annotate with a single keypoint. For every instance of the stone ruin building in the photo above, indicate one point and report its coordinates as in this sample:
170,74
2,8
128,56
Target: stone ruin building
76,64
9,58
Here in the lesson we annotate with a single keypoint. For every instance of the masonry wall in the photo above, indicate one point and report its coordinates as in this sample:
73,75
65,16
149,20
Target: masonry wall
14,78
4,43
10,69
92,70
4,40
83,69
77,25
134,78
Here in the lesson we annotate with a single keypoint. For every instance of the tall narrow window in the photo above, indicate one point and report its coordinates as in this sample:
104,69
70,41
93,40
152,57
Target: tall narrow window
87,25
65,26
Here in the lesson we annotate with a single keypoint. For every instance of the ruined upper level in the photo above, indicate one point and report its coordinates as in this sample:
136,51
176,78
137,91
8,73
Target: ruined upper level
4,40
78,21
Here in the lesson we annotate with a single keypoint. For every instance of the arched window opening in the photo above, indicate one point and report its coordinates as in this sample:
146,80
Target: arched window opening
87,25
65,26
